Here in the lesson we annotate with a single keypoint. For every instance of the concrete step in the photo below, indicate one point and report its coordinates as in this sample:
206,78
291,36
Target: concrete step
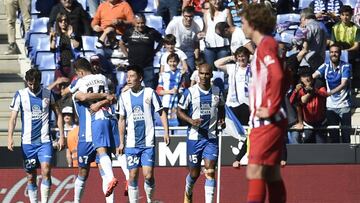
9,65
2,7
3,139
4,122
10,85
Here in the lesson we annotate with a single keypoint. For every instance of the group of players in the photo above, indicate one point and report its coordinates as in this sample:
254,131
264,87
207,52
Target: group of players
201,107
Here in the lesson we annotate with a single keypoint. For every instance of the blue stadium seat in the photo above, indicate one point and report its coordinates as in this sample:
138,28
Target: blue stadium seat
33,42
151,6
304,3
155,22
39,25
351,3
84,4
89,43
46,61
344,56
43,44
291,17
33,10
88,54
47,77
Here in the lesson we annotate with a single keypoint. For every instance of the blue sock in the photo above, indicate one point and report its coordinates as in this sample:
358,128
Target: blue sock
189,184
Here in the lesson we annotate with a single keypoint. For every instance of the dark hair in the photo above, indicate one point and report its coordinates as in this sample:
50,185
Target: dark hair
199,61
242,50
220,28
212,9
305,71
83,64
336,44
169,39
173,56
136,69
33,75
260,17
141,16
59,17
188,9
346,9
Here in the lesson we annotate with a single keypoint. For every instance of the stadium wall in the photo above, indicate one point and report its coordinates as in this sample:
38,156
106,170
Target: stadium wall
305,184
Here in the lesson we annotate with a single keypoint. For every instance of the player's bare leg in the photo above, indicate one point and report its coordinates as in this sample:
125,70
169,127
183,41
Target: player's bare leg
194,173
149,182
133,185
31,186
46,181
210,183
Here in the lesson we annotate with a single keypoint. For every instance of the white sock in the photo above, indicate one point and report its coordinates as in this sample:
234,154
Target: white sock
45,190
32,192
133,194
79,187
149,187
123,165
106,166
209,190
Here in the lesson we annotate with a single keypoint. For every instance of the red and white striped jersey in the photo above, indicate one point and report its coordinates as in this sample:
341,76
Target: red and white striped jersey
267,85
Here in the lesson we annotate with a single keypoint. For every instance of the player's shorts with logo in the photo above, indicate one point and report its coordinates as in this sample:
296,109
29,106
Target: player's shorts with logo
136,157
34,154
202,148
86,153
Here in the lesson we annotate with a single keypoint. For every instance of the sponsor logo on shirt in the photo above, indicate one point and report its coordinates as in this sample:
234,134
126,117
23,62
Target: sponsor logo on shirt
268,60
138,113
36,112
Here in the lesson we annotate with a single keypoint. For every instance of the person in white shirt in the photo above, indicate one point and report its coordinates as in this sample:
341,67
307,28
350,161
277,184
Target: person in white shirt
235,35
169,43
185,29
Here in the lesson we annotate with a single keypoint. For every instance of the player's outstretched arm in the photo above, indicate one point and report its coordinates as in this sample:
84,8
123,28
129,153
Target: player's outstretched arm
60,124
11,127
164,121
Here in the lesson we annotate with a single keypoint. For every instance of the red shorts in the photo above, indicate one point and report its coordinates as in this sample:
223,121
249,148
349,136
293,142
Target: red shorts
266,143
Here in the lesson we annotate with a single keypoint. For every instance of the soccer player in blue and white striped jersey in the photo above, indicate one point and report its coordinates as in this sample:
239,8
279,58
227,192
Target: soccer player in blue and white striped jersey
136,107
204,104
35,104
95,127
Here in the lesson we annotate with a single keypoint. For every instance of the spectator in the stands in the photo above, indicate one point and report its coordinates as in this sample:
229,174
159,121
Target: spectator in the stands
78,17
337,75
326,11
185,29
138,45
44,7
197,4
312,107
169,44
169,84
239,77
215,46
235,35
69,125
11,7
112,18
66,48
313,53
167,9
347,34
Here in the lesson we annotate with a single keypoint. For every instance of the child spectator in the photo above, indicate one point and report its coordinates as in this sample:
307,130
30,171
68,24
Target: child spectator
169,83
169,44
195,75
